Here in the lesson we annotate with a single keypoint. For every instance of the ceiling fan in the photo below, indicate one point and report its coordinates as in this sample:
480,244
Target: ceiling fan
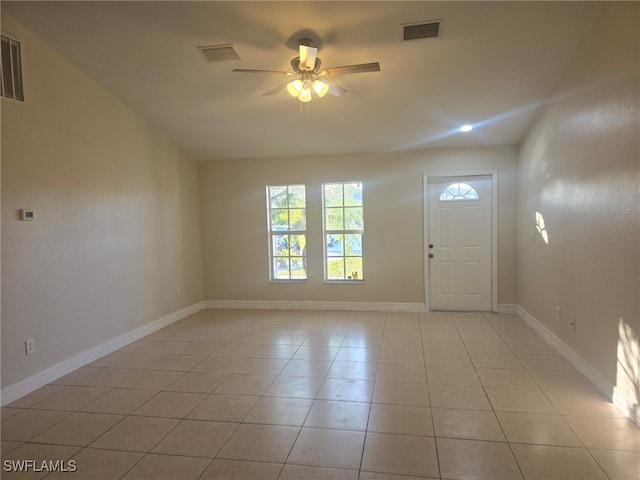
309,75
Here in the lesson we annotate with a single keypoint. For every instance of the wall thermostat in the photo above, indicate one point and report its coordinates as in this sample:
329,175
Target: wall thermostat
27,214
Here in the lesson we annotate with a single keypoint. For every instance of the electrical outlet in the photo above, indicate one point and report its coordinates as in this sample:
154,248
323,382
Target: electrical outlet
178,291
558,314
30,345
331,291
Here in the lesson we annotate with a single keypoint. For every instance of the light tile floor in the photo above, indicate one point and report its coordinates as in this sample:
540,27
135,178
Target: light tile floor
326,395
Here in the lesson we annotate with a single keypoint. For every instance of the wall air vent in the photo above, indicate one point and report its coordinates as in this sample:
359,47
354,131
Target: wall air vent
219,53
11,69
416,31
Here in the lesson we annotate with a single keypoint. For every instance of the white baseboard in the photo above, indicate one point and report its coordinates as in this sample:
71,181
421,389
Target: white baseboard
315,305
505,308
40,379
508,308
567,352
626,406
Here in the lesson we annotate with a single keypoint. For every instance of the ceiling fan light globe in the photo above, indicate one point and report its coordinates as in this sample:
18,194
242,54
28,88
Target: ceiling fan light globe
320,87
305,92
305,95
294,88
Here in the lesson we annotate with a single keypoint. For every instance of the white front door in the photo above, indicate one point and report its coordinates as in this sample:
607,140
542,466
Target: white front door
459,243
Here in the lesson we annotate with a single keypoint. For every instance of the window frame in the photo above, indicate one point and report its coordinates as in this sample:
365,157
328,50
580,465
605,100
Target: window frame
471,195
11,78
271,233
326,232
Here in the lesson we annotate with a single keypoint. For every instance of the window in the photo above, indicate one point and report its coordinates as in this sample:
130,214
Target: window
343,231
11,66
287,222
458,191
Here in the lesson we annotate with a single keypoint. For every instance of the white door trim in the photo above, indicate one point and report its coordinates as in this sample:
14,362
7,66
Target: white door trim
494,229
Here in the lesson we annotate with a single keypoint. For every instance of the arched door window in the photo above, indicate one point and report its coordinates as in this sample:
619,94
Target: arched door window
458,191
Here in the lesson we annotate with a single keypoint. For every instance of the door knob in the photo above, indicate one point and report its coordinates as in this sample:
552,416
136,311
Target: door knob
431,255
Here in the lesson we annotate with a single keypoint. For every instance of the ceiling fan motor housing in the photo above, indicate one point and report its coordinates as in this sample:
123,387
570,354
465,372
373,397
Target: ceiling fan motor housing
295,65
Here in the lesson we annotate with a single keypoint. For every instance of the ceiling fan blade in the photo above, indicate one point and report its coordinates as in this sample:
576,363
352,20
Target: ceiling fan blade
277,89
308,56
248,70
346,69
335,89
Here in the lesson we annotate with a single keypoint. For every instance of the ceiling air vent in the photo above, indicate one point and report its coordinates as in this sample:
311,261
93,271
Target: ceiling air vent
219,53
417,31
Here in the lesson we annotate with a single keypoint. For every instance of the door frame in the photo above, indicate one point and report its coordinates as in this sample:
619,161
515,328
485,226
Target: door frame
494,230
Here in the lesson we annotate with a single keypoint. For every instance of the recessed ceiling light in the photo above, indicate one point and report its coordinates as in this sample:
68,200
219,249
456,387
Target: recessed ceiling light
466,128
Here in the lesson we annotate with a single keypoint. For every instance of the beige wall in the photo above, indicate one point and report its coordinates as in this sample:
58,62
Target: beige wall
117,227
579,167
120,209
235,231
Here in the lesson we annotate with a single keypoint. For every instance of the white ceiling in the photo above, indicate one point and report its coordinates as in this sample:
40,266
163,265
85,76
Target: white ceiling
493,66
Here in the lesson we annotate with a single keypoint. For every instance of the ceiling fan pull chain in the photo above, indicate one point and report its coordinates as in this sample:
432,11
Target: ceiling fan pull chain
302,105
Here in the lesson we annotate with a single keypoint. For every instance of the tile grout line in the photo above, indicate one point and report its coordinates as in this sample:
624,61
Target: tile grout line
513,454
433,423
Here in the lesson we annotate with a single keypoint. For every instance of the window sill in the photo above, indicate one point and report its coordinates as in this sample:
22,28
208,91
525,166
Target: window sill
360,280
288,281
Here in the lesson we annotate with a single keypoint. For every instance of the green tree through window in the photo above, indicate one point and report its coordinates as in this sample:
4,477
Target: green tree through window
287,221
343,231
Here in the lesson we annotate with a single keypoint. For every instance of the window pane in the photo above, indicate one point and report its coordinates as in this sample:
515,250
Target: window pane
353,194
354,268
459,191
353,218
279,220
298,244
335,245
333,195
298,270
17,70
281,268
335,268
281,245
278,197
334,219
353,244
6,67
297,219
296,196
